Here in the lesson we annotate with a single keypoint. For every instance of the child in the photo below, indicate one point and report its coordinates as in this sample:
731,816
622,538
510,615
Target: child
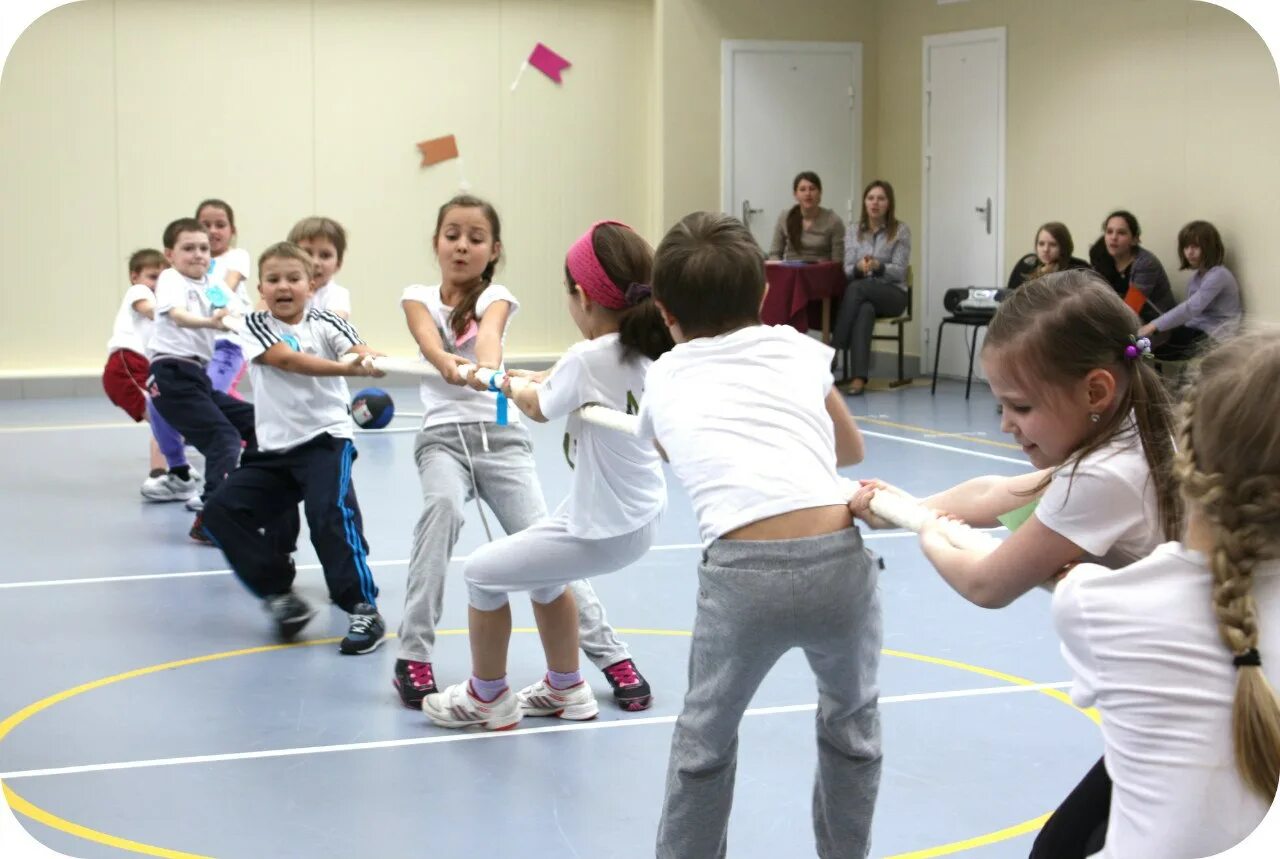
462,451
305,452
1080,397
326,241
189,310
610,517
124,378
230,265
781,567
1169,648
1212,310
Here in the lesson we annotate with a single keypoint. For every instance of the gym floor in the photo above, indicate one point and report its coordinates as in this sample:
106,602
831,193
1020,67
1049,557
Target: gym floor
148,709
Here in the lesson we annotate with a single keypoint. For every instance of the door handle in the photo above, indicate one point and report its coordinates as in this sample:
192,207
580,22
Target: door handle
986,211
747,212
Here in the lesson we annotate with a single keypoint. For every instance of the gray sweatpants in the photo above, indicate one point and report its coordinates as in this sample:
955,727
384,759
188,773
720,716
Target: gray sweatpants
756,601
501,461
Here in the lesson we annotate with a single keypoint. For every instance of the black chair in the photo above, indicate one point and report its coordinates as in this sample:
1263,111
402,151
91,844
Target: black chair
969,306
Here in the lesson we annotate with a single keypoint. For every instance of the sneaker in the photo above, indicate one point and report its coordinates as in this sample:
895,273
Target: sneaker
414,681
456,707
195,504
630,689
366,633
198,533
290,613
577,703
169,487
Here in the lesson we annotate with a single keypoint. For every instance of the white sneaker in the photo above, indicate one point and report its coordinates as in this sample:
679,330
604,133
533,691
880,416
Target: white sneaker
169,487
577,703
456,707
194,504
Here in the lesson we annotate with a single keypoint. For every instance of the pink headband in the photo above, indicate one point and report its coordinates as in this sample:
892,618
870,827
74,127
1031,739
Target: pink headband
586,271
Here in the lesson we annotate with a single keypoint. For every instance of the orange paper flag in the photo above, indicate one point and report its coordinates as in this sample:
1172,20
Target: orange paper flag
1135,299
437,150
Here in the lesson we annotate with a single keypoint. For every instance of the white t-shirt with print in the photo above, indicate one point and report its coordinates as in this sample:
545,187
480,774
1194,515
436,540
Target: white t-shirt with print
618,485
448,404
1107,506
132,329
199,297
332,297
743,419
293,408
237,260
1143,645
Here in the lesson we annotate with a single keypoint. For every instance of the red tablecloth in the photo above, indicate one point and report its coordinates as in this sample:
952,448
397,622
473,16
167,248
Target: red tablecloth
794,291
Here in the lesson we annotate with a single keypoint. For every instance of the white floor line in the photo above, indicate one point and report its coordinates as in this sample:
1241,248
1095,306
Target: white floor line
937,446
469,736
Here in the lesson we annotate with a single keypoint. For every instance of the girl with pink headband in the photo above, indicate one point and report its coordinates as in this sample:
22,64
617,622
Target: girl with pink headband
611,515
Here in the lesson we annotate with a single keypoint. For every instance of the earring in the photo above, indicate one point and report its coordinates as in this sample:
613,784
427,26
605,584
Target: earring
1095,417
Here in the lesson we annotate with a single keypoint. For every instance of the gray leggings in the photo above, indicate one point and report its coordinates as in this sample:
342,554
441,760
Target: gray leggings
865,299
756,601
501,462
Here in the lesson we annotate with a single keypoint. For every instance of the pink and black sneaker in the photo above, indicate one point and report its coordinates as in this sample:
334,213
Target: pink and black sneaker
415,681
630,689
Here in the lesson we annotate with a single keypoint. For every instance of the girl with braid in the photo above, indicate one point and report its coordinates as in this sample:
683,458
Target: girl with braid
1171,649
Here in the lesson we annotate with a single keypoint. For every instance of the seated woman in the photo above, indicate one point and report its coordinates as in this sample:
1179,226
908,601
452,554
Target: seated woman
1125,264
876,252
1053,253
1212,310
807,232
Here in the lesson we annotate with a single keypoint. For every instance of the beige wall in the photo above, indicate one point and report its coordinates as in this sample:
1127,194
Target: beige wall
1168,108
118,115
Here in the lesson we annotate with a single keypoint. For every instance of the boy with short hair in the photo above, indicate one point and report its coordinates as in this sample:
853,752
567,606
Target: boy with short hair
753,427
326,241
190,311
305,452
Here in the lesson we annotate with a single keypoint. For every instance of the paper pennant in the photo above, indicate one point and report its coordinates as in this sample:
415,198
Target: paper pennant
438,149
544,60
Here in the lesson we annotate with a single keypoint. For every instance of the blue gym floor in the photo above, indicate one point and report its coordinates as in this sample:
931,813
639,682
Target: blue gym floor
198,737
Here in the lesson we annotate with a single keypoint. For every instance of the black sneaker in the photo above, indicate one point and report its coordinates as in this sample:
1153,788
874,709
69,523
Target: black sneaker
198,533
366,633
630,689
415,681
290,612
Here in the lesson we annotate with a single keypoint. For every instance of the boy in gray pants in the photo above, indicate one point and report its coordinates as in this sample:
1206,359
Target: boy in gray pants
750,421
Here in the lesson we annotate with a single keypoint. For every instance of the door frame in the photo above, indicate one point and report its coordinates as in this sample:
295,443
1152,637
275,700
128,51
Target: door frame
1000,37
730,47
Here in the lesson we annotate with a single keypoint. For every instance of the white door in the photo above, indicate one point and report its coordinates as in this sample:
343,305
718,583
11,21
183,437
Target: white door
788,107
963,147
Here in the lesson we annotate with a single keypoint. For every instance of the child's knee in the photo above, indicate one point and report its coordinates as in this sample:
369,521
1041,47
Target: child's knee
437,506
546,596
483,599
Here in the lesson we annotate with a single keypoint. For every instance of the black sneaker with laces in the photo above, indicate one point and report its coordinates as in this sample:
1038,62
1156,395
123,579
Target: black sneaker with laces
630,689
366,632
290,612
414,681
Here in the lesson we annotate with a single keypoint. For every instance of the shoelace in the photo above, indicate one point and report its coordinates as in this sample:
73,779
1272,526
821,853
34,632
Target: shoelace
361,624
420,674
624,673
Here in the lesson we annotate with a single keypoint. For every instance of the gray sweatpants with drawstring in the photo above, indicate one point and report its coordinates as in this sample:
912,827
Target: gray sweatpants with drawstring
756,601
500,459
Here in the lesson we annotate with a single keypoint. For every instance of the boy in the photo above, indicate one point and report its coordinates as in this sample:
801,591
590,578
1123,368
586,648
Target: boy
326,241
124,378
190,310
750,421
305,454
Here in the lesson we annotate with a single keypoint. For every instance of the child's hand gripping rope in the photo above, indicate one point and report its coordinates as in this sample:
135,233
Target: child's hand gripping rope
881,505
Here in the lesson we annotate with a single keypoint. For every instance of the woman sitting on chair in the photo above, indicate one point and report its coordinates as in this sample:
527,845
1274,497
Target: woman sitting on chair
1053,253
1212,309
876,252
807,232
1126,265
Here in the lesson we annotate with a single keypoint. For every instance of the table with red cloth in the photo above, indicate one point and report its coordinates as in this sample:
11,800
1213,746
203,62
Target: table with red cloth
800,295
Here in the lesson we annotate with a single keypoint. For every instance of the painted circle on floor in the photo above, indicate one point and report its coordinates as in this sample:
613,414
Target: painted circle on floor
40,815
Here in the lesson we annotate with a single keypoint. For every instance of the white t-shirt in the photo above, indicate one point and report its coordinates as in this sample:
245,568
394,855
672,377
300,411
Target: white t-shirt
132,329
237,260
450,404
1109,507
332,297
174,290
617,479
1143,645
743,419
292,408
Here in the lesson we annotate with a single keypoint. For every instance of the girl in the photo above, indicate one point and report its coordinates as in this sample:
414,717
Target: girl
462,451
609,519
807,231
1053,253
230,265
1090,412
876,252
1212,308
1133,271
1168,648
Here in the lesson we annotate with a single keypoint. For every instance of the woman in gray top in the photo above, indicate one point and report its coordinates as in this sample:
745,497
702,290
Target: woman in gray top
876,252
807,232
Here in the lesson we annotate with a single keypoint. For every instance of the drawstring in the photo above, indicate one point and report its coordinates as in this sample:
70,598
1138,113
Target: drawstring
484,439
471,471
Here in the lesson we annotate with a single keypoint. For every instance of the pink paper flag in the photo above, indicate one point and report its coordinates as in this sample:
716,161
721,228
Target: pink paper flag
548,62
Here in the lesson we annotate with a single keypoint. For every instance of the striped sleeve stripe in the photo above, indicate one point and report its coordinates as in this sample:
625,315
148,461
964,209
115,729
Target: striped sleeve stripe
344,327
258,327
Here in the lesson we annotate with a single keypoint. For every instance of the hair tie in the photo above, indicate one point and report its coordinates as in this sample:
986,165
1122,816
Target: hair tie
1139,347
1250,658
638,292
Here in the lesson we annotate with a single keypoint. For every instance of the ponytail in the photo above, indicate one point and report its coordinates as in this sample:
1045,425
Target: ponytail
795,225
641,331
